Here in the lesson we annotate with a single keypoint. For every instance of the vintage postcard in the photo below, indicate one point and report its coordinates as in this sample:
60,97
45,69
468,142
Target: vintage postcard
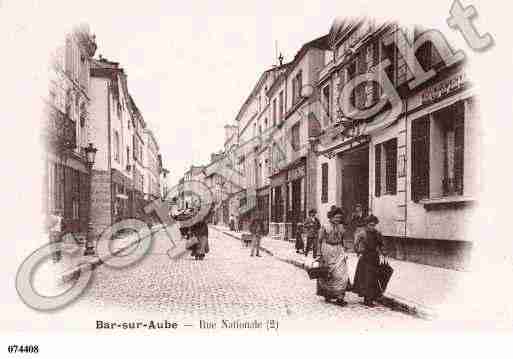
232,168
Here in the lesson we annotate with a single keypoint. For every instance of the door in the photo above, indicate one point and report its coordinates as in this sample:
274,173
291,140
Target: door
355,180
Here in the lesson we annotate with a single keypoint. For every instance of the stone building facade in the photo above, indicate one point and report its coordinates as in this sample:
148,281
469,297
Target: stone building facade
66,131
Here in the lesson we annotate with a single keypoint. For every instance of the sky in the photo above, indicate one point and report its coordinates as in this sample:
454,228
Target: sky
189,76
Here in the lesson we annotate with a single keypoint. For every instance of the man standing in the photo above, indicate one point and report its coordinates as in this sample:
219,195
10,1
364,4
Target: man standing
257,230
312,227
232,223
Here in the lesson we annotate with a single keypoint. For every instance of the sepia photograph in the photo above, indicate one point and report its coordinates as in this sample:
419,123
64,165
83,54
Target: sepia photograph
251,169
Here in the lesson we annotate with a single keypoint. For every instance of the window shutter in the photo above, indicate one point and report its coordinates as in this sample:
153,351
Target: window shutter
324,194
391,166
377,171
459,140
134,146
420,159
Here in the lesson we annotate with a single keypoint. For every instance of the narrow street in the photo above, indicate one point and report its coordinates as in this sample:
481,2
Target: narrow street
228,284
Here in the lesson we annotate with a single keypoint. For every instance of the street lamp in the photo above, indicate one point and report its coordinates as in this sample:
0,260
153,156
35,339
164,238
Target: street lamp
90,157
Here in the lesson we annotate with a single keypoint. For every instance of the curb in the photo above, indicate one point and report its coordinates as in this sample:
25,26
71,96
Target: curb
389,301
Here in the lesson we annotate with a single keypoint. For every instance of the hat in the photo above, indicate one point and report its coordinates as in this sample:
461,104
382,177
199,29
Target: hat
335,211
372,219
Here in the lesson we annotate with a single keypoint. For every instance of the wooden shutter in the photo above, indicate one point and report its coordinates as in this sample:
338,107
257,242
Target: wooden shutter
459,140
377,171
324,192
420,159
391,166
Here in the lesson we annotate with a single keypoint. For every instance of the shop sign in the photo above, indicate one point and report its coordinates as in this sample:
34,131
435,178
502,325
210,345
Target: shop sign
444,88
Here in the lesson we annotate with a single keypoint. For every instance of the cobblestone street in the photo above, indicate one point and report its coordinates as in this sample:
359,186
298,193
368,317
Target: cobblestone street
228,284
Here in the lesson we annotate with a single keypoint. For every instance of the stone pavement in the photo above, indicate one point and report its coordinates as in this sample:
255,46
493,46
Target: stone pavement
228,284
414,288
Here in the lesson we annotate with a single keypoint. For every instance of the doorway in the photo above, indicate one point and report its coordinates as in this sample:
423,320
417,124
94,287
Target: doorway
355,180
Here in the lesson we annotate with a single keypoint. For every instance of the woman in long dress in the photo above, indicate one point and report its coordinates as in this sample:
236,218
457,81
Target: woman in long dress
334,257
366,275
200,231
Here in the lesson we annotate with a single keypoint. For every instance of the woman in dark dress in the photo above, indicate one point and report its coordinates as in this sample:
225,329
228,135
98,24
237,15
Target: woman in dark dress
366,279
200,231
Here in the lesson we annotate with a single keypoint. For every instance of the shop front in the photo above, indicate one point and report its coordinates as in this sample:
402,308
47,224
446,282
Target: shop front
296,209
287,197
122,196
278,194
263,206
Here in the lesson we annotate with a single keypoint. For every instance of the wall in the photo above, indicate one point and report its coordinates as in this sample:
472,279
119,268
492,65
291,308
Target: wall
387,207
334,185
98,121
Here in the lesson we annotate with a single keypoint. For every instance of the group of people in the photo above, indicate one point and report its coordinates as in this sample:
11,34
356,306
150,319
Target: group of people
329,248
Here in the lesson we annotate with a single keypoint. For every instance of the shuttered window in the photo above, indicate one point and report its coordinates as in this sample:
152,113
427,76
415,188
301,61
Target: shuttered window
377,171
324,189
386,168
420,159
459,147
390,148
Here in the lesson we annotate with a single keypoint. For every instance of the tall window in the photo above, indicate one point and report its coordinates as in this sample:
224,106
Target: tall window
351,73
295,139
448,133
116,146
281,105
324,189
297,85
135,146
420,158
386,168
274,112
426,54
390,52
326,100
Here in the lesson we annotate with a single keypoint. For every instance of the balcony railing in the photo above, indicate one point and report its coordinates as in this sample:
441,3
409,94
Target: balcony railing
59,130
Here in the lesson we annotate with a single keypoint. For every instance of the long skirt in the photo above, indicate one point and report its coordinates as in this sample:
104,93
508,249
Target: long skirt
299,242
366,276
202,246
337,282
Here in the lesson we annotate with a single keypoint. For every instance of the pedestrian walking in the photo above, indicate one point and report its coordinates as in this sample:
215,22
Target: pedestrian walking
312,227
366,274
200,231
257,230
240,224
334,257
300,245
232,223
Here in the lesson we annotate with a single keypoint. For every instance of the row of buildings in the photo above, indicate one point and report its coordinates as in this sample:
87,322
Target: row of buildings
89,103
298,148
